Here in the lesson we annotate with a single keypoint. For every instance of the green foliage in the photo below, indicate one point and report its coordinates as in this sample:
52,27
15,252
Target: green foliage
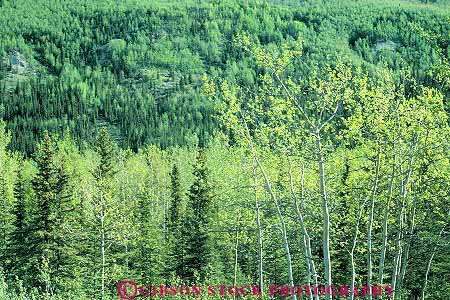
136,67
197,222
110,101
176,238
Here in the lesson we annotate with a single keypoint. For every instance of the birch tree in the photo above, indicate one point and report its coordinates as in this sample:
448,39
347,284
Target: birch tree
238,122
105,207
309,114
258,228
292,114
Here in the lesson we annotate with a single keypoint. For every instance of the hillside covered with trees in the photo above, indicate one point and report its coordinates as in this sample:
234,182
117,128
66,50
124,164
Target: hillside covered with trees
224,143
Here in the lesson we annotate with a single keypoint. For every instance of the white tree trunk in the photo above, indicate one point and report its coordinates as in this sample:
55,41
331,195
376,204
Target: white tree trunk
429,265
275,200
398,256
282,224
352,255
236,248
310,266
258,225
428,272
325,216
396,275
406,251
369,230
385,227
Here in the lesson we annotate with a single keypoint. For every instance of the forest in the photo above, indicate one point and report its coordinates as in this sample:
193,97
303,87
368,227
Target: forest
235,142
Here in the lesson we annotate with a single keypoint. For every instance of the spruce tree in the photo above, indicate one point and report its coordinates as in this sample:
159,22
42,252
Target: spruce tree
19,239
197,222
175,240
46,187
148,261
106,150
176,198
65,217
106,208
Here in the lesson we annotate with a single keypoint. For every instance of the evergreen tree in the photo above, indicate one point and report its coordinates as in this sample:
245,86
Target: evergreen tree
65,259
105,206
48,187
151,261
105,148
18,241
175,240
197,223
176,198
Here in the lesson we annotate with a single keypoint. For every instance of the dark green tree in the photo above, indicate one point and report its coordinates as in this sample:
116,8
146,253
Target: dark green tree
19,239
175,238
66,215
49,186
106,150
105,207
195,229
176,198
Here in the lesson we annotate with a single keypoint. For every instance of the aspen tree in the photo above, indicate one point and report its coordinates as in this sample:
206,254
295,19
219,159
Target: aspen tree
296,113
104,204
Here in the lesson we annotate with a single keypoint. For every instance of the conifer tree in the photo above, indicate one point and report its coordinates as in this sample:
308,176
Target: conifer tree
105,148
176,198
104,205
197,223
176,240
66,254
18,241
47,187
150,220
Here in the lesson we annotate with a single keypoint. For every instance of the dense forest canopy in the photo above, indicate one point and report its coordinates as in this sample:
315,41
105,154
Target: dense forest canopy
136,66
224,143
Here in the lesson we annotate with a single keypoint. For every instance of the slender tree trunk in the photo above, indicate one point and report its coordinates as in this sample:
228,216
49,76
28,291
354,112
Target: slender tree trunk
352,255
275,200
427,273
396,276
325,216
352,261
310,266
407,247
236,247
103,254
369,230
385,227
165,221
282,224
398,256
258,224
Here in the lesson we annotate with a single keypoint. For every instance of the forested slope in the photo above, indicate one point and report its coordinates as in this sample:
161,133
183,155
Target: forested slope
136,65
224,143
